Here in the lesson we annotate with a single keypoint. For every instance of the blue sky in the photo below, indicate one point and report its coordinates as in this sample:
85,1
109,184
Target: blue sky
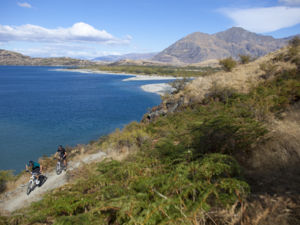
90,28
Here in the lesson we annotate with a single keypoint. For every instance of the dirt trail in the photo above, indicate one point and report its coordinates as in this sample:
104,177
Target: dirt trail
18,198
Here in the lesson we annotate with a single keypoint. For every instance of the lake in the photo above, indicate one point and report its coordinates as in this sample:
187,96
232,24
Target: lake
41,108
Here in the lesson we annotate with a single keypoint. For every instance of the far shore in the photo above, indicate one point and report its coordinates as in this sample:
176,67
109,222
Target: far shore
134,78
160,88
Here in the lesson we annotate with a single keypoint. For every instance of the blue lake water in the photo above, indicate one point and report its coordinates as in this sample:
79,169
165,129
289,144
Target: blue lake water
41,108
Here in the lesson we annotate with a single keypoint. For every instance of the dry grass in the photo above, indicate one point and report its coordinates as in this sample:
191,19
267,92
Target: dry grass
283,147
258,210
242,78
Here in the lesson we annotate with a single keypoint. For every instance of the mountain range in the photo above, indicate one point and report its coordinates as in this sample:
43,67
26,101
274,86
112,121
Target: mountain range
198,47
131,56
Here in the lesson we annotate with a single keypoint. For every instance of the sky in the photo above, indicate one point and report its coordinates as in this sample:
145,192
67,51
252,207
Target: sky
92,28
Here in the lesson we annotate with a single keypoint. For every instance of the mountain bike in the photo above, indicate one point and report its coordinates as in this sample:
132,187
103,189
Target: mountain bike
60,166
34,182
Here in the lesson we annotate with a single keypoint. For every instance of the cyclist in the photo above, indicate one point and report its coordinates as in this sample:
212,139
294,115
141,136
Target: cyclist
62,154
35,168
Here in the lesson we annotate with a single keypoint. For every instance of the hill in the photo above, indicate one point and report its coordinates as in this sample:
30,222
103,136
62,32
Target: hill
14,58
198,47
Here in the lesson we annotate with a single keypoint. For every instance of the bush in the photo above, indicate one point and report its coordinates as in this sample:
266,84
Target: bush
244,59
179,85
295,42
269,69
228,64
5,175
226,133
218,93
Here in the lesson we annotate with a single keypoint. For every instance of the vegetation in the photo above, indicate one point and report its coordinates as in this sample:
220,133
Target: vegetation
179,85
228,64
244,59
295,42
188,71
5,176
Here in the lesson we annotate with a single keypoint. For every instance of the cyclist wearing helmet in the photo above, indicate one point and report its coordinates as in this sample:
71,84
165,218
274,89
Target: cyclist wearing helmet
35,168
62,154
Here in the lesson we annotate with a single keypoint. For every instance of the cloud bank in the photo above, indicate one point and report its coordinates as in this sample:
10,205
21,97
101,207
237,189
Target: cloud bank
264,20
79,32
61,50
24,4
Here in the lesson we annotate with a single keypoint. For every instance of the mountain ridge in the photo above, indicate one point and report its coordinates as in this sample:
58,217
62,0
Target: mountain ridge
198,47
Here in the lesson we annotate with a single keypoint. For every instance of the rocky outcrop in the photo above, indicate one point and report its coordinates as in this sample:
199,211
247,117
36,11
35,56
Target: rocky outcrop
168,106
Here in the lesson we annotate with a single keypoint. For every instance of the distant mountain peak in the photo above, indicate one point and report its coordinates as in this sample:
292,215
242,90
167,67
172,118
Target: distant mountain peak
197,47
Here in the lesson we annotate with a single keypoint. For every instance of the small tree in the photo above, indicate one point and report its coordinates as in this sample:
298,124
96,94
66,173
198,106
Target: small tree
244,59
179,84
295,42
228,64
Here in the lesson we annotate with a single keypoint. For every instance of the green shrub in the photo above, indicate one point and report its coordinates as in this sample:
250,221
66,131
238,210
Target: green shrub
226,133
244,59
218,93
295,42
228,64
179,84
5,176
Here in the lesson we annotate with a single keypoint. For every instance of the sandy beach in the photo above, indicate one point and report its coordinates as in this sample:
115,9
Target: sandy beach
161,89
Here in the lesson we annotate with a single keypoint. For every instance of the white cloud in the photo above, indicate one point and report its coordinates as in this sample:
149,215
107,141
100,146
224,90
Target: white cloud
63,50
79,32
290,2
263,20
24,4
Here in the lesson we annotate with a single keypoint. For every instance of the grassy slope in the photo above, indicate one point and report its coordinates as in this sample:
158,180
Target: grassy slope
185,167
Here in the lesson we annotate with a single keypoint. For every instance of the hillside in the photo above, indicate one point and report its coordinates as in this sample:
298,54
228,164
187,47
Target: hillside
198,47
14,58
223,149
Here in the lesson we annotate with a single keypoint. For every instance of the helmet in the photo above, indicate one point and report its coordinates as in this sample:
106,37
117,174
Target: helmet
30,163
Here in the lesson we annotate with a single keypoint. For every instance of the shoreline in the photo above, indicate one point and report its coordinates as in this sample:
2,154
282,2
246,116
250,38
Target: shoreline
134,78
159,88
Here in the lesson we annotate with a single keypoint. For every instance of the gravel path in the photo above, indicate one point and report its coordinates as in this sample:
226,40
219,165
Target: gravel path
18,198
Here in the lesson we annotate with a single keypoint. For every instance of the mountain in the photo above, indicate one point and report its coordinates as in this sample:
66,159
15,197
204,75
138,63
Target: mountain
14,58
131,56
198,47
